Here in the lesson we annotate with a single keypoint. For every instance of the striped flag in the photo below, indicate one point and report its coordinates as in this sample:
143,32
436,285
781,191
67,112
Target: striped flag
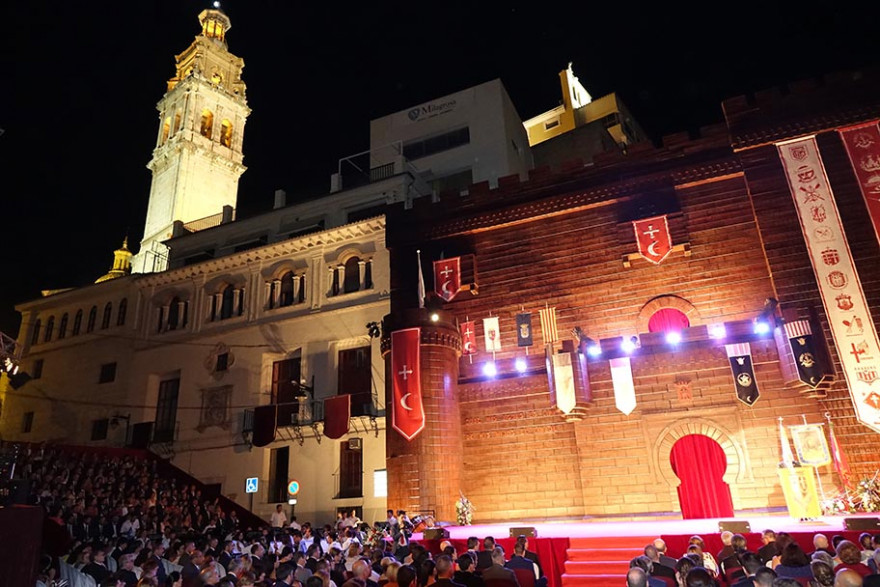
548,325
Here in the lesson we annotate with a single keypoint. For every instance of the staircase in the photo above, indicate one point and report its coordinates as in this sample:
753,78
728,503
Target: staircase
601,561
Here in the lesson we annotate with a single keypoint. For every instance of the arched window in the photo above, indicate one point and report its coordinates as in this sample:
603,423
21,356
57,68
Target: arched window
166,130
668,320
50,326
120,313
77,322
302,288
207,127
286,298
105,319
176,123
227,302
226,133
62,327
35,336
352,281
93,316
174,313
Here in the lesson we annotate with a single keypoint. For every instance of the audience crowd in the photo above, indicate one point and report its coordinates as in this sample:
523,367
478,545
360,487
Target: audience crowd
780,562
114,521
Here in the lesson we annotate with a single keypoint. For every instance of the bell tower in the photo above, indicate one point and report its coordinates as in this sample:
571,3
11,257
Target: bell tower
198,156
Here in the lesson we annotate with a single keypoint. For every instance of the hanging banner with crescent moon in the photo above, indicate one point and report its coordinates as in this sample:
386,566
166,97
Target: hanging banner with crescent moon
447,278
408,415
807,361
740,357
863,147
653,238
468,338
852,327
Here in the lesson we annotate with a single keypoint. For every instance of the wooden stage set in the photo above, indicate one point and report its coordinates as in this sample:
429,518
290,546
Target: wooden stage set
582,553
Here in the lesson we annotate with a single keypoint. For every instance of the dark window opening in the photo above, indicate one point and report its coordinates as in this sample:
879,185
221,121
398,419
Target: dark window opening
286,294
437,144
352,279
285,388
50,326
166,410
279,461
222,362
355,379
35,335
105,319
62,327
37,369
93,316
27,422
99,429
227,302
108,373
77,322
120,313
350,471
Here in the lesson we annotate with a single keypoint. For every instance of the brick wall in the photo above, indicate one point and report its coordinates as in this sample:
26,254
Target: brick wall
561,241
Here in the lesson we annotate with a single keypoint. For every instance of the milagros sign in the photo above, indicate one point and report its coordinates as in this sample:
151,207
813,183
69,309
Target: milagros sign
426,111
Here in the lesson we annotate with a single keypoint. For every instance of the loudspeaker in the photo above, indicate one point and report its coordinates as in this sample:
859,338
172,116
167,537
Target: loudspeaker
861,523
527,531
435,534
735,526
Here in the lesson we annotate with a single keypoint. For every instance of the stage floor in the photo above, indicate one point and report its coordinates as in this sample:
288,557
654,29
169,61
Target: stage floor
657,526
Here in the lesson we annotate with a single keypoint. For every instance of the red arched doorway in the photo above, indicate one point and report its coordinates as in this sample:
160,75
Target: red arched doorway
700,464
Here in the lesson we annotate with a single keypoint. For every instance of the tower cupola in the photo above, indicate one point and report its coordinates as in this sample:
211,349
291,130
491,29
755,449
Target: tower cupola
215,23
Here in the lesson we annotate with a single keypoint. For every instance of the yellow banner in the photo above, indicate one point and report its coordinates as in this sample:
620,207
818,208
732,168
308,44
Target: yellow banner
799,487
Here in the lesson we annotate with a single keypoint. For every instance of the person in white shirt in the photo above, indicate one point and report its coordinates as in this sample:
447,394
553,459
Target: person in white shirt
279,518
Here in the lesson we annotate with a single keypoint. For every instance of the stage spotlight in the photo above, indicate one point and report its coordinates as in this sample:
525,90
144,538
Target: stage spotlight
629,344
673,337
761,327
521,365
435,317
594,350
717,331
489,369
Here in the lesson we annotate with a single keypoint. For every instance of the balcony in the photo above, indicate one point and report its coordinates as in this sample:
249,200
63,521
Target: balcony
306,416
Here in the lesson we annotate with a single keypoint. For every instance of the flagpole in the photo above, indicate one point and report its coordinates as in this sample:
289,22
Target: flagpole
818,475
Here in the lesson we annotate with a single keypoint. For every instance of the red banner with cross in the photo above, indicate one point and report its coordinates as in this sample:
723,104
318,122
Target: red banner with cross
447,278
408,414
653,238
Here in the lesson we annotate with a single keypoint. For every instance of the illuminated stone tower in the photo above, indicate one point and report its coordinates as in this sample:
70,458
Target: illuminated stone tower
198,159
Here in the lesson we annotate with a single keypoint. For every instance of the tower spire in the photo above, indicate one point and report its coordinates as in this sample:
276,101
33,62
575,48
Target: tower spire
197,159
121,263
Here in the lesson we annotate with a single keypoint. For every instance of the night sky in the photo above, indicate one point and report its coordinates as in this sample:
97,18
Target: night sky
81,80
